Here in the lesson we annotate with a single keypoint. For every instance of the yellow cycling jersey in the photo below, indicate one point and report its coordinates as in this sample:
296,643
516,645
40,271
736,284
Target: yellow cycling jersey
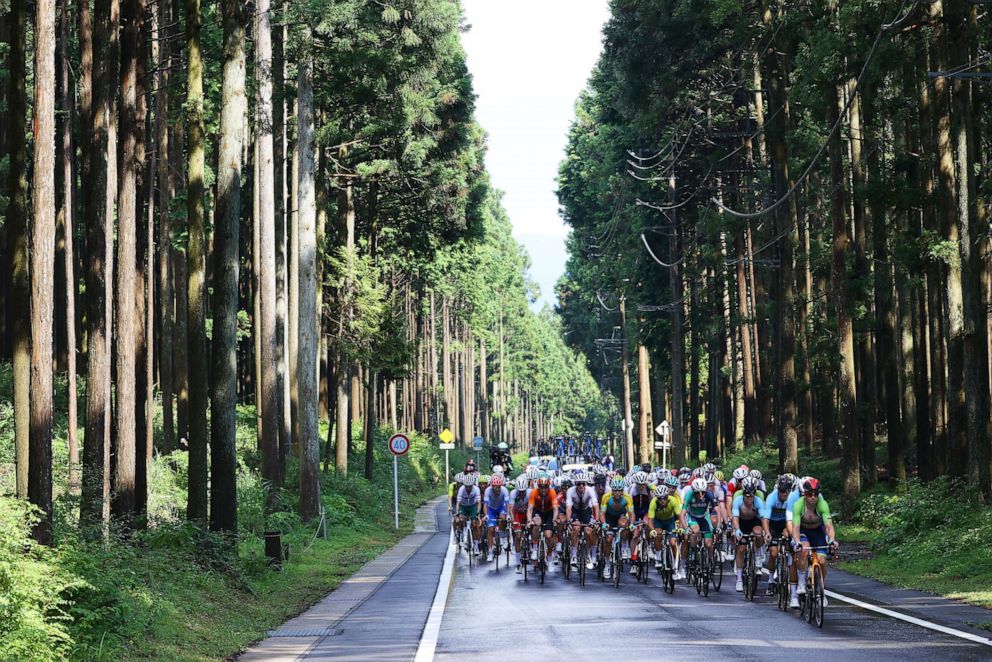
673,507
610,508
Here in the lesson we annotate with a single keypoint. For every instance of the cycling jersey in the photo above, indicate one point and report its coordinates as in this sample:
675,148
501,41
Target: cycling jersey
776,510
664,513
582,505
613,509
810,518
468,501
497,500
749,516
542,503
696,506
641,501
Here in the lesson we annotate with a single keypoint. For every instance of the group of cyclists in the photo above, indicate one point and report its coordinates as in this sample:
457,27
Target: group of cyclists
606,519
566,449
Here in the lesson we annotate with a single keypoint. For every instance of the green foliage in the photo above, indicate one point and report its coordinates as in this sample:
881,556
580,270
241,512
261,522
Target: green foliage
36,589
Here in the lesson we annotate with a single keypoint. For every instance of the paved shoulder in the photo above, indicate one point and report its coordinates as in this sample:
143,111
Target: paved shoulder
378,613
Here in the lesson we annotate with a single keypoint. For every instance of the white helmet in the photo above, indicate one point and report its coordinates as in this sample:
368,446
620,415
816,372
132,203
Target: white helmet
498,469
740,473
640,478
531,472
459,477
662,492
522,482
470,479
755,474
699,485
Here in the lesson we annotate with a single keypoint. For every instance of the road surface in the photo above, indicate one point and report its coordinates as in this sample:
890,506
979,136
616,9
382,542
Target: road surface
489,614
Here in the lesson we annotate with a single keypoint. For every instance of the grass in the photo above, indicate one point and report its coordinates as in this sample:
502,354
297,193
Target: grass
175,592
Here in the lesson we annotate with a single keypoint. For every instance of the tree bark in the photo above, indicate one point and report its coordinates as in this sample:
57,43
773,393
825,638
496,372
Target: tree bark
678,380
42,271
628,418
309,341
268,303
16,227
644,393
223,401
196,274
165,294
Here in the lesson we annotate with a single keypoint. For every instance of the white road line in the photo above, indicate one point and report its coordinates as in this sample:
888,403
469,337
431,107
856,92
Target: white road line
968,636
428,641
911,619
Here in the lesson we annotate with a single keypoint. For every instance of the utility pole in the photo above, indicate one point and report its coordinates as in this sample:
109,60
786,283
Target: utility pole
628,418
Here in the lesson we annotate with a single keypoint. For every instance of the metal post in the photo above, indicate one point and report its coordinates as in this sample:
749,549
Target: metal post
396,491
447,472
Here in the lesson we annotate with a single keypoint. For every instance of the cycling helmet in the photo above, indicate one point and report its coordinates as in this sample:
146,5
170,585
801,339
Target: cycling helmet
581,478
698,472
740,473
685,477
709,467
617,484
621,471
543,482
484,479
640,478
719,476
672,482
745,467
646,467
531,472
710,479
811,485
470,480
522,482
599,470
662,492
755,474
503,446
699,485
497,481
459,477
566,483
785,483
749,486
684,470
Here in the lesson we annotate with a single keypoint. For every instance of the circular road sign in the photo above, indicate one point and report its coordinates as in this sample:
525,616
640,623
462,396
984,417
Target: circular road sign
399,444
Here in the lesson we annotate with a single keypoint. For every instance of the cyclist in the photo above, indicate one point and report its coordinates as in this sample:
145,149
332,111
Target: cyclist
468,500
696,515
453,491
640,492
616,510
740,473
812,527
519,499
755,474
497,500
582,511
776,521
747,509
541,515
561,484
662,513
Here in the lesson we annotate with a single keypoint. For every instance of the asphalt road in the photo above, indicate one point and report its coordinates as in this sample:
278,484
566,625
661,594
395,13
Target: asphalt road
489,615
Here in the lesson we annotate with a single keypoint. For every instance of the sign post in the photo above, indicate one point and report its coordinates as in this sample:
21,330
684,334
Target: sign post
446,445
477,443
665,430
399,444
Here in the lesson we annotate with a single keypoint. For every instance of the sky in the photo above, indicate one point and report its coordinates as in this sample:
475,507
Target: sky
529,61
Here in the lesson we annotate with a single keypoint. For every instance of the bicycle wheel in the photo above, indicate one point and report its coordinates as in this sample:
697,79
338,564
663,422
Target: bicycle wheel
617,563
818,596
542,558
582,560
668,569
709,559
715,574
497,550
469,546
749,575
806,599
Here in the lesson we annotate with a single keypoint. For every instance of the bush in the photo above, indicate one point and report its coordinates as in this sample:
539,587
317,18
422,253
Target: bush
34,590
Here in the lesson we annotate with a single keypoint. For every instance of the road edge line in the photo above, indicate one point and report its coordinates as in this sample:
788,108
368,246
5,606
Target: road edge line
432,629
974,638
961,634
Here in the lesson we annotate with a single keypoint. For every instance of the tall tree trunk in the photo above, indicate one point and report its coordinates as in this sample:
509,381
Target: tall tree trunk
68,221
99,212
268,305
644,392
308,323
847,424
196,508
678,381
369,422
165,294
16,227
42,270
223,400
957,417
127,205
279,198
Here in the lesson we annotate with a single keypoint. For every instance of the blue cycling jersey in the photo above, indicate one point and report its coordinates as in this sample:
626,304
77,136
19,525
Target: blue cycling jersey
776,510
759,505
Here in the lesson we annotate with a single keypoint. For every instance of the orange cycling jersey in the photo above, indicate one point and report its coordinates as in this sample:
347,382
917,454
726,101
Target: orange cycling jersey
542,504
